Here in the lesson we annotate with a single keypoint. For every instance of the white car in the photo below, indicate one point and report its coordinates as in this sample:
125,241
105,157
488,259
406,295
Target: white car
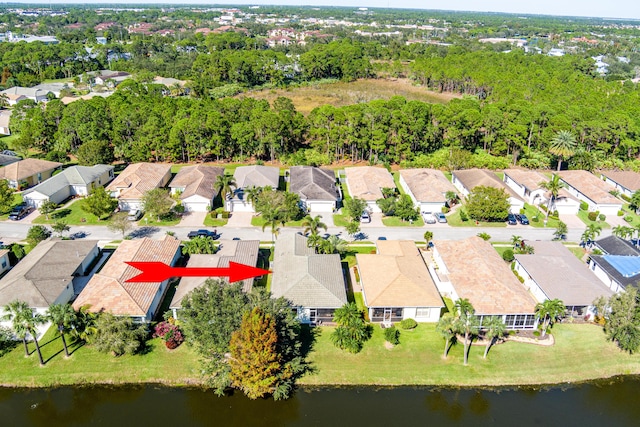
428,218
365,217
134,215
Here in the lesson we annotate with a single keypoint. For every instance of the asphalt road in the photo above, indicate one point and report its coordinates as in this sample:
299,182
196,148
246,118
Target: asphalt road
15,231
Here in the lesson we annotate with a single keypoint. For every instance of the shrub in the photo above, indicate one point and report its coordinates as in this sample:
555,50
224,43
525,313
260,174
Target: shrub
628,218
226,214
625,198
408,324
463,215
445,209
620,212
508,255
522,211
602,217
556,214
392,335
592,216
169,333
584,206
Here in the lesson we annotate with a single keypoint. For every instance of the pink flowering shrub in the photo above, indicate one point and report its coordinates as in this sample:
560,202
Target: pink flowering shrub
169,333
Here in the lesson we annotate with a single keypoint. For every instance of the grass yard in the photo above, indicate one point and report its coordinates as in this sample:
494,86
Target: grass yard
350,256
214,222
577,251
394,221
581,353
583,215
72,214
339,94
340,220
149,219
17,200
258,221
635,222
532,211
454,220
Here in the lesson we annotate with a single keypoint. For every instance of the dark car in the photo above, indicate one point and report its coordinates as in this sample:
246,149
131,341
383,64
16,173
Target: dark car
19,212
522,219
202,233
511,219
382,238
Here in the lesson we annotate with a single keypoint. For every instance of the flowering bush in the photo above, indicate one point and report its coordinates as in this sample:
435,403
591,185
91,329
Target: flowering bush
169,333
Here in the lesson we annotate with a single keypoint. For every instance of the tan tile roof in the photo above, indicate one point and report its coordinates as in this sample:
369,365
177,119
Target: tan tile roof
532,179
26,168
590,186
627,179
107,290
427,185
397,277
240,251
139,178
478,273
197,180
471,178
365,182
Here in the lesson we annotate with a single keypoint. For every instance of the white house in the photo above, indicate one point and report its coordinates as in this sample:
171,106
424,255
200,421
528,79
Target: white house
316,187
248,177
526,184
195,185
73,181
367,182
626,182
133,182
619,266
592,190
426,187
466,180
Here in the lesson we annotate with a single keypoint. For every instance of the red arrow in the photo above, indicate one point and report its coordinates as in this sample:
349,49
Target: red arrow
159,271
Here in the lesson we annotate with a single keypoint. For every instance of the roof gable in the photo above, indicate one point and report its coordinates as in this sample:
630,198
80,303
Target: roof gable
197,180
427,185
313,183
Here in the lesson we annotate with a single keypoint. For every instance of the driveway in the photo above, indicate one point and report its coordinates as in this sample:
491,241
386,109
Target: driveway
376,221
193,219
240,219
572,221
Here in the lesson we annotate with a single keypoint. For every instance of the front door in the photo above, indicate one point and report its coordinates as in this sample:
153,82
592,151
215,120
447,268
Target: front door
387,315
313,315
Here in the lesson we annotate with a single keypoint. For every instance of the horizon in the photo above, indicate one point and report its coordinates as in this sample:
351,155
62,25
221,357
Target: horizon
619,10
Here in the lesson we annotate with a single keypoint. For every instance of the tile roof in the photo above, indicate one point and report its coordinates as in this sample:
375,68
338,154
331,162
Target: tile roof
74,175
257,176
26,168
427,185
627,179
531,181
614,245
477,272
365,182
7,160
471,178
139,178
397,277
561,275
45,272
313,183
108,291
304,277
240,251
197,180
590,186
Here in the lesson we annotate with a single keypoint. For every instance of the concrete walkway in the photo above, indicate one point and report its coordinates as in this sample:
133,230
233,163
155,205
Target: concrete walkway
240,219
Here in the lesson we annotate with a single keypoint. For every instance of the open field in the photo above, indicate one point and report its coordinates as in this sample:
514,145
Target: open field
581,353
339,94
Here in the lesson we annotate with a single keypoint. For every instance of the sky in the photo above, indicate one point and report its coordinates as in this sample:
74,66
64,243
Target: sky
596,8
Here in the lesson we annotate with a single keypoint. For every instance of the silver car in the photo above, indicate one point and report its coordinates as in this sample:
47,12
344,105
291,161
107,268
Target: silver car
428,218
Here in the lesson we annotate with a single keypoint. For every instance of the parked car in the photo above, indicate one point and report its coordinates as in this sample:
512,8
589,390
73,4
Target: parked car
522,219
440,217
134,215
19,212
382,238
365,217
428,218
202,233
511,219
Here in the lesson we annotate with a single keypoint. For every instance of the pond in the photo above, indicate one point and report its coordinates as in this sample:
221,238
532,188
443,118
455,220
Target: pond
597,404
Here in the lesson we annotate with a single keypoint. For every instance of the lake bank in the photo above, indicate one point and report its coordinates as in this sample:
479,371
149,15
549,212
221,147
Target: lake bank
581,353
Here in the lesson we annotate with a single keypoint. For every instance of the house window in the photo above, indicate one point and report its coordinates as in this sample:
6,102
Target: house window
4,263
39,177
423,312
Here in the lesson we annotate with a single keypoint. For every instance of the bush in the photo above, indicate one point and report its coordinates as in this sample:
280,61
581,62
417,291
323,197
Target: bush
463,215
226,214
584,206
620,212
57,156
625,198
508,255
392,335
408,324
592,216
522,211
555,214
445,209
602,217
628,218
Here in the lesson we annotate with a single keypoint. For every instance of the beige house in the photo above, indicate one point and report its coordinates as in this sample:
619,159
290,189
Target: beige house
367,182
133,182
109,291
426,187
472,269
468,179
248,177
626,182
396,284
5,263
526,183
592,190
28,172
195,186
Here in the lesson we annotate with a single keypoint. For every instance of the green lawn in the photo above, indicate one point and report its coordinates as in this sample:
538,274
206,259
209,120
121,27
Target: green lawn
350,256
72,214
577,251
149,219
531,212
258,221
340,220
583,215
394,221
214,222
635,222
17,200
454,220
396,180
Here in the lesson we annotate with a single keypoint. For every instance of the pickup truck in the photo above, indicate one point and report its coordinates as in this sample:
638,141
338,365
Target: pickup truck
202,233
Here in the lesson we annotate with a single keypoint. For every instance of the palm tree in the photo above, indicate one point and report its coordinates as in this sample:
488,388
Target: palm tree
428,237
224,184
467,323
313,225
315,241
446,328
591,232
563,145
622,231
516,241
62,315
553,186
493,328
548,311
452,197
17,312
273,218
251,194
332,245
84,326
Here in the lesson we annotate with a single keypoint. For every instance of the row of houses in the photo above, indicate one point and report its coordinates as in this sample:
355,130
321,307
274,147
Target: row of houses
398,280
